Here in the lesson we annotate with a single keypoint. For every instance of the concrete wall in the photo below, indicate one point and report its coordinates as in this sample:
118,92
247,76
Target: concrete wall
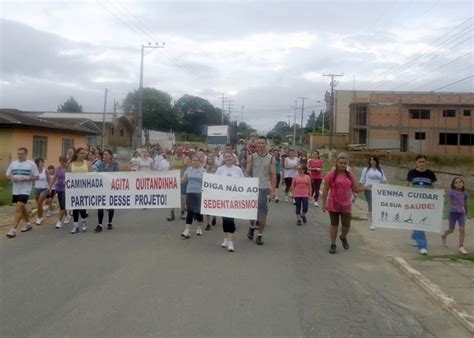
318,141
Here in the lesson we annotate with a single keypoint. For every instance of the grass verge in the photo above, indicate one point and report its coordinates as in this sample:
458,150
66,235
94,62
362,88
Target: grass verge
455,257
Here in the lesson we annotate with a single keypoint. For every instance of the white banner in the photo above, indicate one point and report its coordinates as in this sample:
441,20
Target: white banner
235,197
407,208
123,190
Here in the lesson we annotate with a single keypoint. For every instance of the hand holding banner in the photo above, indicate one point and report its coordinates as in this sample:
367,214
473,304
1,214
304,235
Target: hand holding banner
407,208
226,196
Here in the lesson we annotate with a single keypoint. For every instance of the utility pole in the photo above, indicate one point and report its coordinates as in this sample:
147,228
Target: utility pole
114,125
289,123
138,142
103,118
333,84
294,123
302,112
222,111
229,108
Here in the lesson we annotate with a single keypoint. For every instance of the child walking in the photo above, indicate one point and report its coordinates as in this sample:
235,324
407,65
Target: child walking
301,191
458,212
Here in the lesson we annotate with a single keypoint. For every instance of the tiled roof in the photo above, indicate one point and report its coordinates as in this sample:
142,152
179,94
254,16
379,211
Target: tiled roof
13,118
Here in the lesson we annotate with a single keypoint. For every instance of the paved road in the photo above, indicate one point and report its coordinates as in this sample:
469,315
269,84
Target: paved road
141,279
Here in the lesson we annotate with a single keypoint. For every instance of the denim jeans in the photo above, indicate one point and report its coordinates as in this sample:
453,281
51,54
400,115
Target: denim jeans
420,237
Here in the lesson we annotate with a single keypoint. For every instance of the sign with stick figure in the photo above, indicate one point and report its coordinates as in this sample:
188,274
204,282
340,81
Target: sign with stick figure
407,208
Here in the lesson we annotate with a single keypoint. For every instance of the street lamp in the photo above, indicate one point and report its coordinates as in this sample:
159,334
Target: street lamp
139,120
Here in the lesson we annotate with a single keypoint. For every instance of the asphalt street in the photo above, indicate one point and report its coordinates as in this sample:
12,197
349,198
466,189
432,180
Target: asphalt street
141,279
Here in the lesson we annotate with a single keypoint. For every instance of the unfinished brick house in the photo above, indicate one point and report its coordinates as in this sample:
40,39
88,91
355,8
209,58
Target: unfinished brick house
418,122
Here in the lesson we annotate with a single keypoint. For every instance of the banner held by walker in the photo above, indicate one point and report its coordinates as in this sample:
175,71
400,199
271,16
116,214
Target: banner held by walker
407,208
123,190
235,197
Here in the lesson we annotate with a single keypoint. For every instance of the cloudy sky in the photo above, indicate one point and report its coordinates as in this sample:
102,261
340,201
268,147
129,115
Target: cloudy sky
263,54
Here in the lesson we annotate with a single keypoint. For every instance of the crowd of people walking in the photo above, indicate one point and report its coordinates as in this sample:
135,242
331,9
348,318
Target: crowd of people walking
303,179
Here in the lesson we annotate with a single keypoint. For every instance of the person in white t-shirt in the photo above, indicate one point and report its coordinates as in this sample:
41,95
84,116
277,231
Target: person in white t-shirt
22,173
221,160
157,159
228,224
145,163
164,164
372,174
41,189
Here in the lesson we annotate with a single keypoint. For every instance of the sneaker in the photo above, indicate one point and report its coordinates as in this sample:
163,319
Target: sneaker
183,215
286,198
208,227
316,204
26,227
171,217
277,200
48,213
345,245
413,242
303,218
371,226
59,225
11,233
84,226
230,246
214,221
259,240
67,219
444,240
298,222
462,250
110,226
98,228
198,231
250,233
39,221
332,249
75,229
423,252
186,234
224,244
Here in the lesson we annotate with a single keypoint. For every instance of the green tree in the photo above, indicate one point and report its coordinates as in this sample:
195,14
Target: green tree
158,114
311,123
70,106
323,115
280,131
244,130
198,113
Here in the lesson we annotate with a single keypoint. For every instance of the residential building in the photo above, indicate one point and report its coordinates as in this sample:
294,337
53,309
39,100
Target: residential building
433,123
423,122
118,128
42,138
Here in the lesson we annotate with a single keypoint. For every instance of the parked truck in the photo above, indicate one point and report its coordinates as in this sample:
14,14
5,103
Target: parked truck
218,136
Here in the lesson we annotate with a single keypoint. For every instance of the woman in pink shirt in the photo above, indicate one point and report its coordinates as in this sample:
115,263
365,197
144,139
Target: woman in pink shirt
315,167
340,184
301,191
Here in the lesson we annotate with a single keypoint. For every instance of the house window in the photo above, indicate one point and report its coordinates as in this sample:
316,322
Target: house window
467,112
122,132
419,114
450,139
40,146
449,112
361,115
420,136
67,143
466,139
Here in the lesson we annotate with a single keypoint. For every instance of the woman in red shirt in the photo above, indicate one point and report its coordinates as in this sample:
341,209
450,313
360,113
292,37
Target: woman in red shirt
340,184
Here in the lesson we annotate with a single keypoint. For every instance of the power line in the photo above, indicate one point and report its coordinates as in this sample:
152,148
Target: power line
425,53
453,83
